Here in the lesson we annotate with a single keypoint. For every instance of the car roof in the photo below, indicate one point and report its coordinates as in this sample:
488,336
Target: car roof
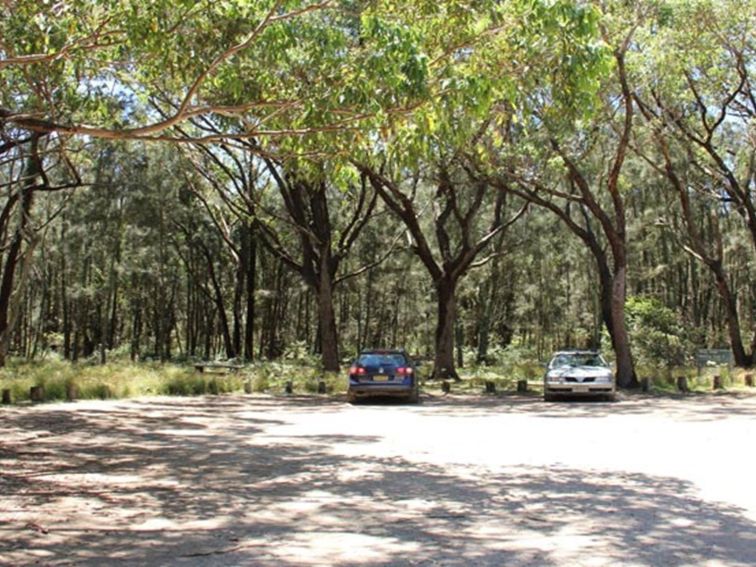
576,351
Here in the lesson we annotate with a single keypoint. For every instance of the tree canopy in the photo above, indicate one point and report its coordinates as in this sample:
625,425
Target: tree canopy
341,173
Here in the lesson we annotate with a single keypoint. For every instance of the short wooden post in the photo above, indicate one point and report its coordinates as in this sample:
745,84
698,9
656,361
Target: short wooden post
749,380
289,387
7,396
645,384
37,394
522,386
682,383
717,383
72,391
445,386
212,386
321,387
248,386
490,387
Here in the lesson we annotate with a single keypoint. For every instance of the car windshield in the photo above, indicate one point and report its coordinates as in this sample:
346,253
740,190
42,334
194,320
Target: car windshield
578,359
381,360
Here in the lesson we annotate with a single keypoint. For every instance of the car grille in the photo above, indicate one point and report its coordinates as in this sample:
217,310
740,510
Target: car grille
584,380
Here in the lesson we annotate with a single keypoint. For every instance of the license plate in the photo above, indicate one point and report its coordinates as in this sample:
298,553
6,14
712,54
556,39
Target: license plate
581,388
380,378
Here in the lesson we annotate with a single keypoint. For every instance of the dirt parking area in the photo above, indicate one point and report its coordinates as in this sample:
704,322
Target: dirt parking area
453,481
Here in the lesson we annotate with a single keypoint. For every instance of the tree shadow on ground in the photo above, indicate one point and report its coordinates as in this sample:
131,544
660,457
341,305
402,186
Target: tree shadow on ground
184,484
692,407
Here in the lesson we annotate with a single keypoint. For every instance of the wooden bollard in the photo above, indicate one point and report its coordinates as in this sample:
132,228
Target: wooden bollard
37,394
522,386
212,387
645,384
321,387
490,387
248,387
682,383
7,396
748,378
289,387
717,383
72,392
445,386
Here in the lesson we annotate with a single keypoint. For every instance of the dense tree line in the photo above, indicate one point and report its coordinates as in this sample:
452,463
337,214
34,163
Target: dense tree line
323,177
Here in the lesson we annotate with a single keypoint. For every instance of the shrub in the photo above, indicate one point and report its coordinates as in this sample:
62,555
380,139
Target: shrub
658,337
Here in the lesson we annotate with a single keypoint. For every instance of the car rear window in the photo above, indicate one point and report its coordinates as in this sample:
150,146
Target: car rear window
372,360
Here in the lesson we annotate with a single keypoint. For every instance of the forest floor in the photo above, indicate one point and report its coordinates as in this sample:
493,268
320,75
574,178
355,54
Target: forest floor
456,480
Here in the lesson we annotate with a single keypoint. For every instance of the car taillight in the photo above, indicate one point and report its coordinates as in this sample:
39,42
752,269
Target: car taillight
357,370
404,371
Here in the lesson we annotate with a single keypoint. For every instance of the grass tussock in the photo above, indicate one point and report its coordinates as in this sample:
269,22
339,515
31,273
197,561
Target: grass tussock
63,380
664,380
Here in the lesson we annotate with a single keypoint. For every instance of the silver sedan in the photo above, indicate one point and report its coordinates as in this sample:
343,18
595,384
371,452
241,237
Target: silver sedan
578,373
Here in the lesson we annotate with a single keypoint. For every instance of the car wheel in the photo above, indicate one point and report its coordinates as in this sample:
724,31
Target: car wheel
351,398
549,397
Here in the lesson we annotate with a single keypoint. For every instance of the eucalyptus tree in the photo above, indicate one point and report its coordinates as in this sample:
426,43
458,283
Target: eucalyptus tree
326,216
480,64
287,77
467,216
32,165
694,86
263,71
571,163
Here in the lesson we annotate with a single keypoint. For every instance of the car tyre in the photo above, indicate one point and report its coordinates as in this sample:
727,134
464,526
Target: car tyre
351,398
549,397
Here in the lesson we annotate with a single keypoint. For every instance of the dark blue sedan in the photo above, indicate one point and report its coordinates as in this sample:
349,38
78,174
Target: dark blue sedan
383,373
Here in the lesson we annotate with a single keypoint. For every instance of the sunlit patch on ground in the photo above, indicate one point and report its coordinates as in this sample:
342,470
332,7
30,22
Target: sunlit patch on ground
219,481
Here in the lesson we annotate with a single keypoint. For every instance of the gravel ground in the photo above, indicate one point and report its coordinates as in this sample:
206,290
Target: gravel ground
455,481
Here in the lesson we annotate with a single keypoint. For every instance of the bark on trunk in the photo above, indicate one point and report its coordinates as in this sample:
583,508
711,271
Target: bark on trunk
626,377
443,365
15,256
250,257
327,323
742,358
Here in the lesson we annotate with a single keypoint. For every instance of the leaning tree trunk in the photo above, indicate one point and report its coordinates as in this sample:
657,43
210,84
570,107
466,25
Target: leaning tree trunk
443,365
742,358
16,258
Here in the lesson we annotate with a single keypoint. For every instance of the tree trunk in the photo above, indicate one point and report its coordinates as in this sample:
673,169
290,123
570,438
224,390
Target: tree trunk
327,323
136,331
443,365
742,358
15,256
626,377
250,264
239,292
484,321
220,307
